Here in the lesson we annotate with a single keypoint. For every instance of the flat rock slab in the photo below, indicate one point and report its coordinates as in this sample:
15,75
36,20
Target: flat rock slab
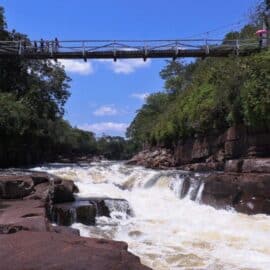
46,250
22,215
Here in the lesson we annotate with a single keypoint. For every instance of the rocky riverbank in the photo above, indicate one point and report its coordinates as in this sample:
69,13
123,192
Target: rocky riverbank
28,201
239,162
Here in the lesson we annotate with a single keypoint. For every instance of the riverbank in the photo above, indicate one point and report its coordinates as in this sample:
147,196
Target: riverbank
237,164
26,203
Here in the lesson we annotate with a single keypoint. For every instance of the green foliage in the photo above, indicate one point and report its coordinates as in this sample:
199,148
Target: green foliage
32,98
116,148
206,97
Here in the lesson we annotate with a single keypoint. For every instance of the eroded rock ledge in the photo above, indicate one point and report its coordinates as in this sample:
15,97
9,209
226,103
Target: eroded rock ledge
26,201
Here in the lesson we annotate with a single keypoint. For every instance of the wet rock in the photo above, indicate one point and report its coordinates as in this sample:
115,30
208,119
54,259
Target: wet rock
158,158
68,213
246,192
234,165
40,177
23,214
64,230
203,167
86,214
101,207
256,165
8,229
26,232
15,187
62,191
63,214
47,250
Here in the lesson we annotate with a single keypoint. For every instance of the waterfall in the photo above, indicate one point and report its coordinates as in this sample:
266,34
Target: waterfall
199,194
159,215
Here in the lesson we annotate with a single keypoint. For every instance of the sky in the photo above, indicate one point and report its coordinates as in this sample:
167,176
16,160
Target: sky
105,95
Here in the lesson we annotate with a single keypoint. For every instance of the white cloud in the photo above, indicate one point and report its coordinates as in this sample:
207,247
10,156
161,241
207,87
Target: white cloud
105,127
126,66
140,96
77,66
105,110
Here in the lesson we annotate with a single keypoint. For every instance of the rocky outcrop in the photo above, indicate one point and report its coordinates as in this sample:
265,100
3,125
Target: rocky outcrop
154,158
208,152
26,201
86,210
245,192
45,250
237,142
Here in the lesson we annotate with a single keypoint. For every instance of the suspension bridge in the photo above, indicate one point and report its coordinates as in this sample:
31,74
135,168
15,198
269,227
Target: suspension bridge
124,49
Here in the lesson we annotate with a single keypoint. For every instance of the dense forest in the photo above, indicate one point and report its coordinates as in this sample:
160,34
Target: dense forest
32,98
207,96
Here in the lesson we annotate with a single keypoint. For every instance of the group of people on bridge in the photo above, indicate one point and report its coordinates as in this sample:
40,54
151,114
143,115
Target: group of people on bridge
42,45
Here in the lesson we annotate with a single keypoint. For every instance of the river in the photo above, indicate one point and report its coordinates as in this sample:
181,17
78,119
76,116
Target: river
167,232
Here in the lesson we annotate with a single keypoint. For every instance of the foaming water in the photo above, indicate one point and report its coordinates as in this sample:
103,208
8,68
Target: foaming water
168,232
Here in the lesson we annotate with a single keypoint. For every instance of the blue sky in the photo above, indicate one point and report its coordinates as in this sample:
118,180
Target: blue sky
106,95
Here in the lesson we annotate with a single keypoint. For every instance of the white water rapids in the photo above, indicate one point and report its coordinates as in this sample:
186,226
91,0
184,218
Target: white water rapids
167,232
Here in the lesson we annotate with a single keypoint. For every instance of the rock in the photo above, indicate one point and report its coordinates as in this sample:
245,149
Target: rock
68,213
48,250
63,214
40,177
203,167
100,205
23,215
234,165
61,191
246,192
86,214
15,187
85,210
256,165
157,158
26,232
65,230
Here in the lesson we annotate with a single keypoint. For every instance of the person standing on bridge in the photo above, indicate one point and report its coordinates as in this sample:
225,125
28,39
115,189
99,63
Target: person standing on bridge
261,34
56,44
47,45
42,45
35,46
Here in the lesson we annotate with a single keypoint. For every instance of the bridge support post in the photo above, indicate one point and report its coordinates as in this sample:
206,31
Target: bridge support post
176,51
20,47
84,58
145,53
207,50
237,47
114,52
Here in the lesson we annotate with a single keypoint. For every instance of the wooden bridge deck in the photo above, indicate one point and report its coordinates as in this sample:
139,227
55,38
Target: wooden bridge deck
127,49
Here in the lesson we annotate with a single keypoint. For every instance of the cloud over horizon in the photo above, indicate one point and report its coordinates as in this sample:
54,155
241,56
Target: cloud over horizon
140,96
126,66
106,110
105,127
77,66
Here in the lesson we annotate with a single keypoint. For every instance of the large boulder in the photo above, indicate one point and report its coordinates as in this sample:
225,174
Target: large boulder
246,192
256,165
22,215
52,251
68,213
86,210
62,191
15,187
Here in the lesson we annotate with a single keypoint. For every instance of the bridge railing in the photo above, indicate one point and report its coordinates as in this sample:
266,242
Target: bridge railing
86,46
